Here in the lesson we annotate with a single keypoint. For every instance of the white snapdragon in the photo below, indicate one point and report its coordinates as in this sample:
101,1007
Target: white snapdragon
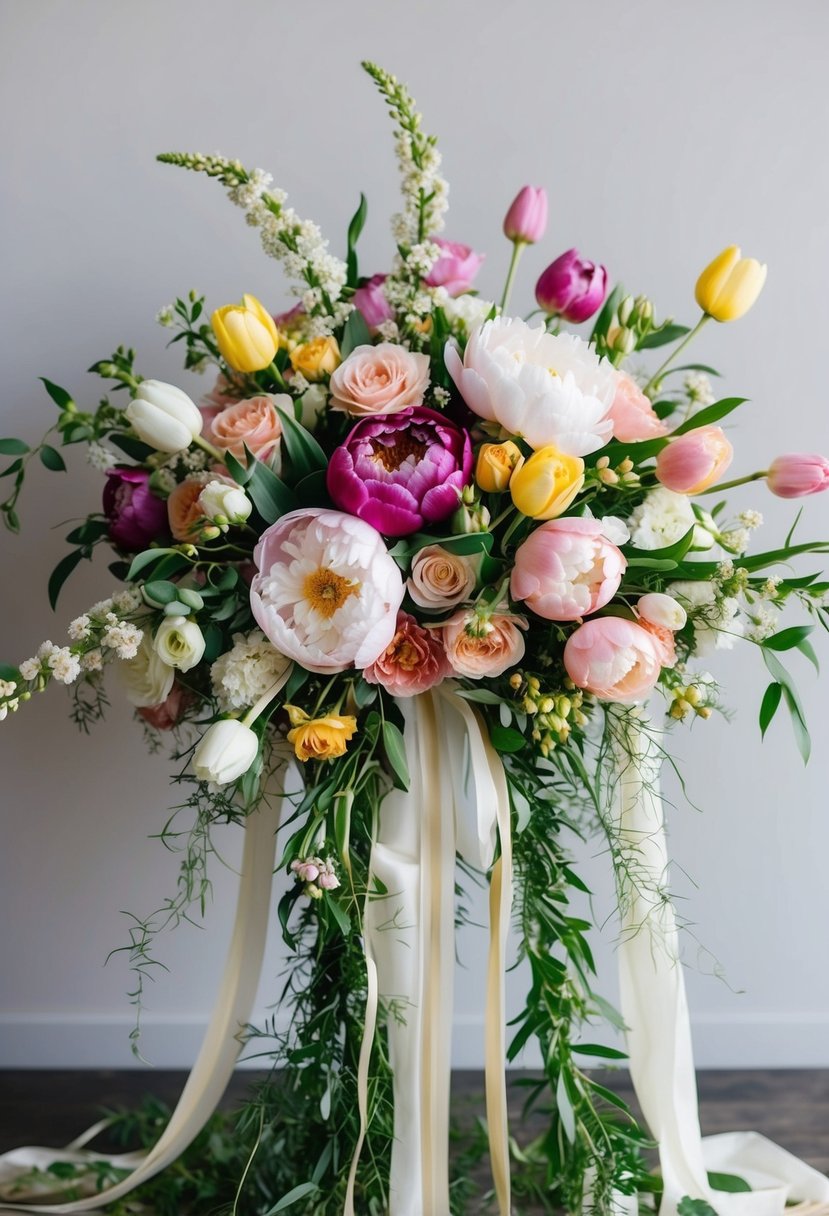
244,673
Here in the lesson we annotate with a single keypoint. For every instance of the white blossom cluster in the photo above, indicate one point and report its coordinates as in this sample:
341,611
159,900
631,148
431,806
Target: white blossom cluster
100,456
244,673
698,388
714,615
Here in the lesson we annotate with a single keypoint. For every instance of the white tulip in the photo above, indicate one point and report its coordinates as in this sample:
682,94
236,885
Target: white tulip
179,642
147,679
163,416
226,751
659,609
225,504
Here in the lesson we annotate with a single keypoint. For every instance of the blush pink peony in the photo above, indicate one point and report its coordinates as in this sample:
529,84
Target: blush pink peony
615,659
632,413
413,661
382,379
567,569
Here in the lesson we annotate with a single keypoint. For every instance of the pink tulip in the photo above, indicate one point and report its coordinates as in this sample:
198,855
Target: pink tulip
632,414
567,569
798,474
526,219
456,267
572,287
613,658
370,300
693,462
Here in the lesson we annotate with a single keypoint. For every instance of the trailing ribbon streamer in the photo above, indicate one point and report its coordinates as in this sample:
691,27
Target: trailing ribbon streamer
220,1048
655,1010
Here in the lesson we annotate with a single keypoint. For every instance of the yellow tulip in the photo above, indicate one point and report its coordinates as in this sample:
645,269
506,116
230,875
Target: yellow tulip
496,462
317,358
247,336
319,738
729,286
544,485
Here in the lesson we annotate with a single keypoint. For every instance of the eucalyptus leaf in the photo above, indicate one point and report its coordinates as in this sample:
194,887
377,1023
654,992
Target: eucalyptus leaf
51,459
61,573
59,395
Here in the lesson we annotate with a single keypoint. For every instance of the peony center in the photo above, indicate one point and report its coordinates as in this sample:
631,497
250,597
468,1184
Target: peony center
391,456
326,591
405,654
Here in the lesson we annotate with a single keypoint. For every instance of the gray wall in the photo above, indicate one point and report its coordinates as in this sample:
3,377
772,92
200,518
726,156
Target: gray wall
662,132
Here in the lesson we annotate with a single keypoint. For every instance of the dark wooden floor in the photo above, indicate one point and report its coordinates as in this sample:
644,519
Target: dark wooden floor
51,1108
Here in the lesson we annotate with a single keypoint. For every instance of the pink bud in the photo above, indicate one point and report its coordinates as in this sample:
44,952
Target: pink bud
693,462
526,219
798,474
456,267
572,287
370,300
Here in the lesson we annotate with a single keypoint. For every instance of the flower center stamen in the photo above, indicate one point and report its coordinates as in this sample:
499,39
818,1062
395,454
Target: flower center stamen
391,456
327,591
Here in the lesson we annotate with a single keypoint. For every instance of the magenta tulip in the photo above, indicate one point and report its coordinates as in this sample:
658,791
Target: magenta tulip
571,287
401,471
798,474
526,220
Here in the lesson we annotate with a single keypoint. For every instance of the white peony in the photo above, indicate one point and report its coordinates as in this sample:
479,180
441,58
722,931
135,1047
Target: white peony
662,519
545,388
244,673
146,679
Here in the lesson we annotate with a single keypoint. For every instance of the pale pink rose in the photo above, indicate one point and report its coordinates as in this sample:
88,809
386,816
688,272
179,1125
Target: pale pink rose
413,661
488,650
632,414
169,712
370,300
439,579
566,569
613,658
382,379
253,423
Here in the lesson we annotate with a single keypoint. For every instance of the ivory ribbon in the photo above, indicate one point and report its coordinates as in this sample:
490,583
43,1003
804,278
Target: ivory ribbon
655,1010
220,1048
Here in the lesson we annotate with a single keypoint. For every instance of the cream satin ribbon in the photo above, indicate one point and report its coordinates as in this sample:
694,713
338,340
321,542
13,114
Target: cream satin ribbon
655,1009
221,1045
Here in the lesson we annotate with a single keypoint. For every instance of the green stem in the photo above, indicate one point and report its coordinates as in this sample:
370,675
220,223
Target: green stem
208,447
517,250
738,481
655,378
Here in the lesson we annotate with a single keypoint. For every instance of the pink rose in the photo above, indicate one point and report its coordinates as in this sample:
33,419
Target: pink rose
566,569
632,414
169,712
456,267
413,661
253,423
370,300
477,649
439,579
615,659
381,379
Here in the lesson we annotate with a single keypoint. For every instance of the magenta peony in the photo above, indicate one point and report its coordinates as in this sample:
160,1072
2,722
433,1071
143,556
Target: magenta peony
136,516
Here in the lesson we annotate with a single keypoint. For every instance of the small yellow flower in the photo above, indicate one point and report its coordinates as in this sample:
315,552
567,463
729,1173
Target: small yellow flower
496,462
729,285
317,358
319,738
545,485
246,334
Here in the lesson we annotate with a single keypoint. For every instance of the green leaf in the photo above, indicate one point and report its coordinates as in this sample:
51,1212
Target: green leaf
305,454
13,447
7,672
88,532
769,706
145,559
52,459
595,1049
240,473
340,915
299,1192
661,337
355,227
806,648
356,333
694,1207
61,573
788,639
59,395
160,591
793,703
481,696
606,315
14,467
711,414
343,802
691,367
505,739
395,747
653,563
674,552
269,494
731,1183
565,1110
131,445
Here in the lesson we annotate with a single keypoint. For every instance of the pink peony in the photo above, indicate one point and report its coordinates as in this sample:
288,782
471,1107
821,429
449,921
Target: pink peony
694,461
402,471
456,267
798,474
566,569
382,379
477,649
632,414
253,423
613,658
413,661
370,300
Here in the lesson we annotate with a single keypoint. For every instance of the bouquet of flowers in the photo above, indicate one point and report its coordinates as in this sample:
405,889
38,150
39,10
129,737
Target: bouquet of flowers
409,536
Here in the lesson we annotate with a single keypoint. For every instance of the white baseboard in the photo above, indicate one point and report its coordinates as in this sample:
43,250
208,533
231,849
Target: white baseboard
53,1040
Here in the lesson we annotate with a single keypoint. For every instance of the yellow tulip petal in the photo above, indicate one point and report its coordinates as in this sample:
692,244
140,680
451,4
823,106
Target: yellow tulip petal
741,291
714,277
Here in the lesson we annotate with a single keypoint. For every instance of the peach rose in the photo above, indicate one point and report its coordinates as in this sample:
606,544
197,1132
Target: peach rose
413,661
632,414
477,649
253,423
440,579
381,379
183,509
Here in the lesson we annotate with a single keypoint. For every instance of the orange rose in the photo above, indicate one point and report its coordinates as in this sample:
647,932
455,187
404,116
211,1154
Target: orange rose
183,509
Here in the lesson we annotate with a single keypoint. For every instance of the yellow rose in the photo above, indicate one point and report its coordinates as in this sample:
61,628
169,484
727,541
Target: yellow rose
319,738
246,334
496,462
729,285
544,485
317,358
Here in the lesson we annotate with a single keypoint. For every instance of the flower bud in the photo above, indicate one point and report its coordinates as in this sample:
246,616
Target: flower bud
225,504
179,642
662,610
691,463
798,474
526,220
625,310
729,285
471,515
496,462
226,750
246,334
572,288
163,416
545,485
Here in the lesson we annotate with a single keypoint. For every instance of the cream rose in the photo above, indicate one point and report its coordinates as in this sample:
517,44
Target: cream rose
476,648
440,579
381,379
147,679
179,642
